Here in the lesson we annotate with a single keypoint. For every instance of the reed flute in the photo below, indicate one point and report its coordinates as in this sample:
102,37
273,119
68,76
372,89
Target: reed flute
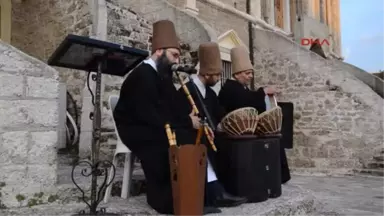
196,111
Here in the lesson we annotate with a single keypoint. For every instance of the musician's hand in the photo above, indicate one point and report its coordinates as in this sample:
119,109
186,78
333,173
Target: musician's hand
210,132
270,90
219,128
195,121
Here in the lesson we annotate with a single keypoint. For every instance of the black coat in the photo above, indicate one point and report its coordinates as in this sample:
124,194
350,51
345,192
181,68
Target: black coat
233,95
147,102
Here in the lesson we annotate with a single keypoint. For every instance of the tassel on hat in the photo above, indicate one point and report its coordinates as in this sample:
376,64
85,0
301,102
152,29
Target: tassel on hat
209,58
164,36
240,60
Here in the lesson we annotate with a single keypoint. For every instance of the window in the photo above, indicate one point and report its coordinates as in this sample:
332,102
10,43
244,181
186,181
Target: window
227,71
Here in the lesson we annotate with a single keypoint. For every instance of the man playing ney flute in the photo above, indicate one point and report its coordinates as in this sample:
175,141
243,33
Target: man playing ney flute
209,74
148,100
235,94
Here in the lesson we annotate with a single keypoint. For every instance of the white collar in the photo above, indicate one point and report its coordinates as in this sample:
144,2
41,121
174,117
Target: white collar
200,85
151,62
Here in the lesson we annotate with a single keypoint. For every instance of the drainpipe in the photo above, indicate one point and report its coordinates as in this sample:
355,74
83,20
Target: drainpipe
250,41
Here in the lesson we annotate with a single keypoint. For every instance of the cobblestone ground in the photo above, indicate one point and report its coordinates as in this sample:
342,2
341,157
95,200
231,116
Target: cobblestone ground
346,195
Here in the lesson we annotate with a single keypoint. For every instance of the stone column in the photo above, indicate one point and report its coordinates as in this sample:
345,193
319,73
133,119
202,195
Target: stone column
270,12
310,9
256,8
190,6
287,16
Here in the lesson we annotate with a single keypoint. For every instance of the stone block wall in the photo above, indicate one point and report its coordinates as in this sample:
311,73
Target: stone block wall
223,21
39,26
28,125
338,119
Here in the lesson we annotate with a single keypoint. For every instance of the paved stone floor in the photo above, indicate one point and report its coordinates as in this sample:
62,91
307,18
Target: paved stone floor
303,195
353,195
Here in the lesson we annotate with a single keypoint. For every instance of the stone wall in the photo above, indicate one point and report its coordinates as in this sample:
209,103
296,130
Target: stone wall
28,125
223,21
39,26
191,30
338,119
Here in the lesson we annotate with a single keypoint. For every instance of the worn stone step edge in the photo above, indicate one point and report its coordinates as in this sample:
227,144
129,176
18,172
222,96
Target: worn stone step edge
296,201
376,165
375,172
379,158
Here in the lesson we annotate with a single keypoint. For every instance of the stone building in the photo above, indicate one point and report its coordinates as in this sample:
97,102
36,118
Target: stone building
338,107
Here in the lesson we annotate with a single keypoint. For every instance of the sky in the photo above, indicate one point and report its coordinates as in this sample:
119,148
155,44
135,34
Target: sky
362,33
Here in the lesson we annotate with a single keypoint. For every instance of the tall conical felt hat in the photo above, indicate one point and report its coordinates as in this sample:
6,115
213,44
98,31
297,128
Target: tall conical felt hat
240,60
164,35
209,58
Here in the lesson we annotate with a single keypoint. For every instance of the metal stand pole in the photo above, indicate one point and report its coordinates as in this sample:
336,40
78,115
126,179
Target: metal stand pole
98,168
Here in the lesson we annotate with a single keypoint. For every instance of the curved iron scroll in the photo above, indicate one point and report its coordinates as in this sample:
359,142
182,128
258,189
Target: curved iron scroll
100,168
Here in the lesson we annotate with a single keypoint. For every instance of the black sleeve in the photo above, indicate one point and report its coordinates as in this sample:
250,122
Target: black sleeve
219,110
147,103
258,99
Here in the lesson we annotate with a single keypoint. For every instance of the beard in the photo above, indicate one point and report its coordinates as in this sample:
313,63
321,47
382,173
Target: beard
164,66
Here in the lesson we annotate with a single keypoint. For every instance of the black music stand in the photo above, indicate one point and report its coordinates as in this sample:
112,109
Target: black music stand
91,55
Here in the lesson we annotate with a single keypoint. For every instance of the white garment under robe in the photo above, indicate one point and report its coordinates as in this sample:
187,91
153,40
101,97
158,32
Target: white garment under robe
210,172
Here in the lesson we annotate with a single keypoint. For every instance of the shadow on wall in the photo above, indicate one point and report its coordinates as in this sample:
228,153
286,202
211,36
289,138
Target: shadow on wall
189,28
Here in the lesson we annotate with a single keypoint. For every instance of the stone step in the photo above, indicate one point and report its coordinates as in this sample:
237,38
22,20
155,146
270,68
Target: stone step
374,172
379,158
294,201
376,165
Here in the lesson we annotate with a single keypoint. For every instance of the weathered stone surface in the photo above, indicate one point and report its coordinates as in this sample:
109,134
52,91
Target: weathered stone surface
39,27
294,201
42,87
28,118
338,120
11,85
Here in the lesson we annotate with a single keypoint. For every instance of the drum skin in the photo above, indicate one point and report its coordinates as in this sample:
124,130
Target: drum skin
270,122
250,166
241,121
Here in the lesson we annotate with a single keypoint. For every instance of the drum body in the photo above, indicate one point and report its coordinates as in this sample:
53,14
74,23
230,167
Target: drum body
188,172
241,121
270,122
249,166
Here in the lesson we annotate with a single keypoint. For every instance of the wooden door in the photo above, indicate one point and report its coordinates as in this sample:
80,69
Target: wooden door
279,13
5,20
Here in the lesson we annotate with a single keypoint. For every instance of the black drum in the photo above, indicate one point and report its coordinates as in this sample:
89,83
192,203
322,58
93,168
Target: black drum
249,166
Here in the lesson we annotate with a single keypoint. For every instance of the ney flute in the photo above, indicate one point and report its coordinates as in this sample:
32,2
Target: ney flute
196,111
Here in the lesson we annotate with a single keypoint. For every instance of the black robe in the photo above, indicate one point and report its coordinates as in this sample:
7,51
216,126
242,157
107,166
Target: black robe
147,101
233,95
212,105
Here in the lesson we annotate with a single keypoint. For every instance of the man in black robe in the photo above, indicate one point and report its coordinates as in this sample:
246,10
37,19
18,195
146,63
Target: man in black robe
205,98
148,100
235,94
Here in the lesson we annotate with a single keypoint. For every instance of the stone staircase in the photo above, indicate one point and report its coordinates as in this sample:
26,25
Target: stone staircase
376,167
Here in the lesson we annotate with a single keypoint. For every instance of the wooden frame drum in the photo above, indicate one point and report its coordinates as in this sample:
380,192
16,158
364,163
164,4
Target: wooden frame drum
270,121
241,121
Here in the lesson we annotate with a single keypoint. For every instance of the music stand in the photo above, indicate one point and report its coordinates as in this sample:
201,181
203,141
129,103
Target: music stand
91,55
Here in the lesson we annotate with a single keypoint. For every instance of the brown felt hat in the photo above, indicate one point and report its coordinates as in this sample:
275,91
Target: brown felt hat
240,60
164,35
209,58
